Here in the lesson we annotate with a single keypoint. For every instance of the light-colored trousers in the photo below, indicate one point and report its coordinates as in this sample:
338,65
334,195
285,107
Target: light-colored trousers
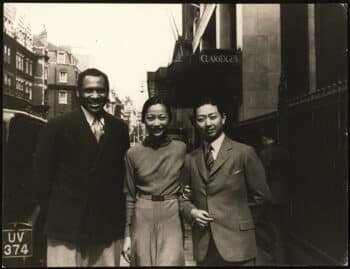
156,234
63,254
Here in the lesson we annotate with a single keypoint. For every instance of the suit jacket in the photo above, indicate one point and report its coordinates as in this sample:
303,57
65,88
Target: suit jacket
223,192
79,181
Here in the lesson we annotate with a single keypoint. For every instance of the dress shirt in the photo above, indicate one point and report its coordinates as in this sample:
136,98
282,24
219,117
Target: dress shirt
216,144
90,118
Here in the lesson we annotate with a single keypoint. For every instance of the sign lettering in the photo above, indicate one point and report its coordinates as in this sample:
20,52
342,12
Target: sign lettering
223,59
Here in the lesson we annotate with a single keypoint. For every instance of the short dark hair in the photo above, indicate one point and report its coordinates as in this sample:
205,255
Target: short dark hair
92,72
154,101
208,100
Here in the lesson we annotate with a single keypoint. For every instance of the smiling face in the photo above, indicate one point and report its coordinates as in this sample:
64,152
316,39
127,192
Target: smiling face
209,122
93,94
156,120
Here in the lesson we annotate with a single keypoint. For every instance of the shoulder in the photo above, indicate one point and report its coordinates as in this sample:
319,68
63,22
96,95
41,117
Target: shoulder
241,147
115,121
178,145
60,121
195,152
135,151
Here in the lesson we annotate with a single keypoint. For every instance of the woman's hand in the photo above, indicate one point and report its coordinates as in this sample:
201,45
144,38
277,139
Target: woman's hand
126,252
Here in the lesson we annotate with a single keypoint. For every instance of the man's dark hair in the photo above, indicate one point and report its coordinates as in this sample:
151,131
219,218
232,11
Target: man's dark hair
155,100
208,100
92,72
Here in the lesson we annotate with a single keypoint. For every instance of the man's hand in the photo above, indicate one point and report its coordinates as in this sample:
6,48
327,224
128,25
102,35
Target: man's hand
126,252
201,217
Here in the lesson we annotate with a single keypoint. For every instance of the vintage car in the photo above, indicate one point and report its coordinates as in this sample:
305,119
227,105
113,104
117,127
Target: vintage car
23,241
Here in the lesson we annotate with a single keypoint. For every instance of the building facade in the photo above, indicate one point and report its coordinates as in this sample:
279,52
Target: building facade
62,80
19,62
281,67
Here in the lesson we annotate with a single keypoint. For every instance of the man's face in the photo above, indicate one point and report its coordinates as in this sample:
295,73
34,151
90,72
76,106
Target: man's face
209,122
93,94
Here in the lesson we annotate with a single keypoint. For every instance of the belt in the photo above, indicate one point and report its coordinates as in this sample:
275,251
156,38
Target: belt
157,197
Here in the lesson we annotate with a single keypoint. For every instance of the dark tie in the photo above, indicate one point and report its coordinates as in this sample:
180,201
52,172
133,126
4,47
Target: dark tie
208,157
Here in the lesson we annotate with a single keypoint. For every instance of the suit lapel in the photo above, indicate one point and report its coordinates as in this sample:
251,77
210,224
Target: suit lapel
223,155
199,157
84,128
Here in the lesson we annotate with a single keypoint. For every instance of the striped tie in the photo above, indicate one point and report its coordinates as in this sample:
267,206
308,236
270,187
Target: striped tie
97,128
208,157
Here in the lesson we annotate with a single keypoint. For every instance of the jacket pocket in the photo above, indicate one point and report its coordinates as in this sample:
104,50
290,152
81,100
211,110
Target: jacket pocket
245,225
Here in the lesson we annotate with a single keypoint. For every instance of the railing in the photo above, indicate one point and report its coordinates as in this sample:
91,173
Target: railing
314,129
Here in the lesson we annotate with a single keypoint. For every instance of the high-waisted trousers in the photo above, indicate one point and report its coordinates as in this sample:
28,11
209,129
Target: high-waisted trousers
156,234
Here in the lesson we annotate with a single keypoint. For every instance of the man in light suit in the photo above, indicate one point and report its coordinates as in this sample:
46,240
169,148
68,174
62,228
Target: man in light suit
79,171
222,174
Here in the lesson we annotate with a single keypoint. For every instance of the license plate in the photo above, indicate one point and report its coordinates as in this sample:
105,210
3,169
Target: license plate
17,241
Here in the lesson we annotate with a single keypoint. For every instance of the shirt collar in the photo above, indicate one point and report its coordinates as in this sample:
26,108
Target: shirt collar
216,144
90,118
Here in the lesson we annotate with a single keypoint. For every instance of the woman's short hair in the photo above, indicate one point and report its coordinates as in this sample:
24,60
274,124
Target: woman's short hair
155,100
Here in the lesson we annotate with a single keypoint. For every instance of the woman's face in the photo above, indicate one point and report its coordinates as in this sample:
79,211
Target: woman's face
156,120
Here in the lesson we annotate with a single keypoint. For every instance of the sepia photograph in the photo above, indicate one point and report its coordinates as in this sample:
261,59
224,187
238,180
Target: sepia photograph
174,134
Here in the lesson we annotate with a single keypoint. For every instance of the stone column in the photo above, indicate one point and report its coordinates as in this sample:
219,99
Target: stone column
312,47
224,26
203,44
261,59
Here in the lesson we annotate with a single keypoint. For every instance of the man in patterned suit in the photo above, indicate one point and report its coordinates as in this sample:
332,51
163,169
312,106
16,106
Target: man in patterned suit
222,174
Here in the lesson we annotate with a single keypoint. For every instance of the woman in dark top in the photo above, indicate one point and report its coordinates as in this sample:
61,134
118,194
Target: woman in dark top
152,184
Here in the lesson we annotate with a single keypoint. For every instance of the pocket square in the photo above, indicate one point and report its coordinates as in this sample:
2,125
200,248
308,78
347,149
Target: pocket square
237,171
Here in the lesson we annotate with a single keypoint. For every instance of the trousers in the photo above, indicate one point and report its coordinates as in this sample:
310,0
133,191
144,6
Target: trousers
156,234
63,254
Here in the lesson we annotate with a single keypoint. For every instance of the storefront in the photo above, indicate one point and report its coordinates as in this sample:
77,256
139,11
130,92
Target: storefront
213,72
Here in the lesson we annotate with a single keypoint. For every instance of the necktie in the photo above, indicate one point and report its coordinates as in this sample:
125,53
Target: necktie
208,157
97,129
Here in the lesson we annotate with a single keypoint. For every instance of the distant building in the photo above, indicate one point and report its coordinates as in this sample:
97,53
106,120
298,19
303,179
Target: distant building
62,80
19,62
114,105
83,61
41,71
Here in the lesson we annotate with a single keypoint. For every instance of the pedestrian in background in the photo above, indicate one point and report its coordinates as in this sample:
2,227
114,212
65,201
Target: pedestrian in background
79,169
152,185
221,174
276,161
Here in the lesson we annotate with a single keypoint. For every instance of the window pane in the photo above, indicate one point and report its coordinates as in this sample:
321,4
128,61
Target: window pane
63,77
63,97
